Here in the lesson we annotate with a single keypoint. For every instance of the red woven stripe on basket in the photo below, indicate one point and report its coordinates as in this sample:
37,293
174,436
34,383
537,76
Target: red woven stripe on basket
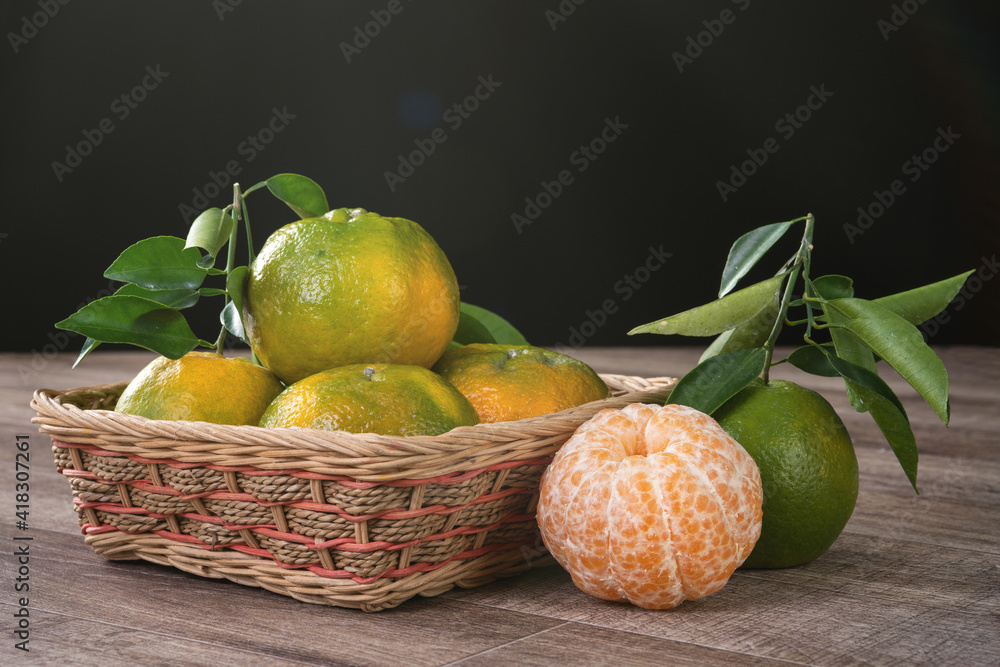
342,574
271,530
453,478
391,514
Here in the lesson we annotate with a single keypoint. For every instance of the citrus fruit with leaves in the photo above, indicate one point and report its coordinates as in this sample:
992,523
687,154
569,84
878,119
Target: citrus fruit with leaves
200,386
349,287
747,323
650,504
807,466
508,382
389,399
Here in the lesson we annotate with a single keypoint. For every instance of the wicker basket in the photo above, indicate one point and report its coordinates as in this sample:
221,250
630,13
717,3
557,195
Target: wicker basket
363,521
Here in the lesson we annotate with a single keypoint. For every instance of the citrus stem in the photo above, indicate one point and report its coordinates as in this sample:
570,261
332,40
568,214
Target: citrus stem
782,310
799,265
237,210
246,218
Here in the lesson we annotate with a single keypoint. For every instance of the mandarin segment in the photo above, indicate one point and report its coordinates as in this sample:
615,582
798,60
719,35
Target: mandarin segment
650,504
643,555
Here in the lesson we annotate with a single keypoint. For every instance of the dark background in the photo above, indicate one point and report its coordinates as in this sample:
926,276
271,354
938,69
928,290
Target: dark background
227,69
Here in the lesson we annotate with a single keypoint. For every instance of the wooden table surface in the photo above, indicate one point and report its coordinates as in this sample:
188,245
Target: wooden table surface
912,580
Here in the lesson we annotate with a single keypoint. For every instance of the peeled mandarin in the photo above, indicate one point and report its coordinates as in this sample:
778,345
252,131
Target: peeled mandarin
650,504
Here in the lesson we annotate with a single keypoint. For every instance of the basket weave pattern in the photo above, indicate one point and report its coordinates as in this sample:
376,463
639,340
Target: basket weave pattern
355,520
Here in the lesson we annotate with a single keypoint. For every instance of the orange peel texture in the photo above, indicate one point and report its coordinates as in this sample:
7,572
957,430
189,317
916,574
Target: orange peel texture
651,505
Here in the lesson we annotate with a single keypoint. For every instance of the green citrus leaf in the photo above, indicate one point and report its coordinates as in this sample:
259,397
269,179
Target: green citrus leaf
236,283
896,429
172,298
714,381
135,321
812,360
231,319
747,250
847,346
158,263
856,375
901,345
752,333
232,315
88,347
210,231
921,304
300,193
720,315
834,286
479,325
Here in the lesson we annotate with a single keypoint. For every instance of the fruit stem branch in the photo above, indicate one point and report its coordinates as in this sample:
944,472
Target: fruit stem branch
220,342
246,218
800,265
776,329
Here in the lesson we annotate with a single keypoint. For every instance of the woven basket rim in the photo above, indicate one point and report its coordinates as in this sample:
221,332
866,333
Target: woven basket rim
364,456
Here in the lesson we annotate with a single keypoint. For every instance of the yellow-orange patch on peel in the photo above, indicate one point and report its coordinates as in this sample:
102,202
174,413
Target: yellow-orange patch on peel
651,505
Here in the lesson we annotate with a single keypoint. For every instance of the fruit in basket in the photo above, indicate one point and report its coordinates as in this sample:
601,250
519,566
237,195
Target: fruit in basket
349,287
200,386
389,399
650,504
807,466
508,382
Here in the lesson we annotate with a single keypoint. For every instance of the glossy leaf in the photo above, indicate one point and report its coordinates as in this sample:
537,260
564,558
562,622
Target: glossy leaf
232,314
172,298
752,333
714,381
233,321
812,360
847,346
236,284
856,375
720,315
834,286
302,194
901,345
210,232
479,325
747,250
160,262
921,304
89,346
135,321
896,429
